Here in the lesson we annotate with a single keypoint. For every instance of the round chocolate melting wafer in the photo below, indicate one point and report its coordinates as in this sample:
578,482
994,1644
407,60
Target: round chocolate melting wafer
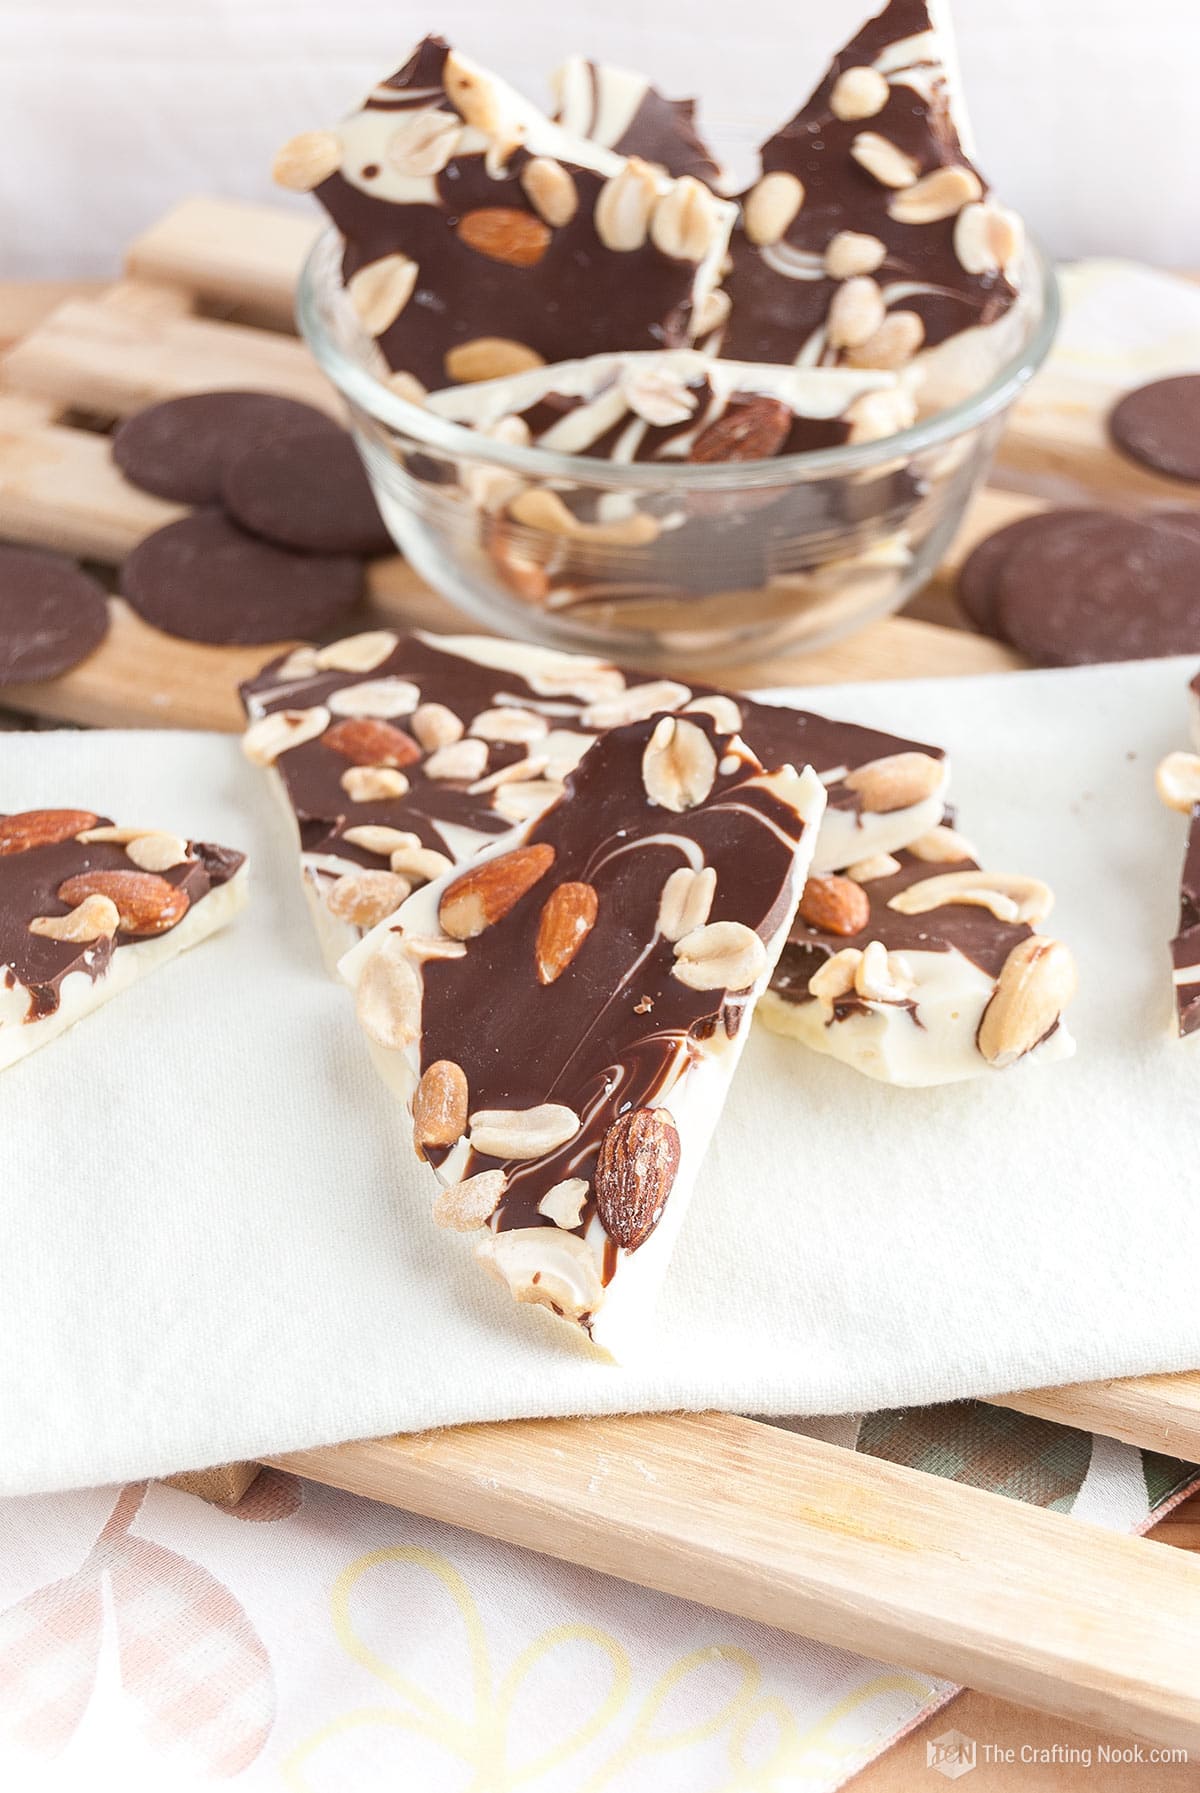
52,616
1102,588
975,587
205,579
308,490
1159,425
180,448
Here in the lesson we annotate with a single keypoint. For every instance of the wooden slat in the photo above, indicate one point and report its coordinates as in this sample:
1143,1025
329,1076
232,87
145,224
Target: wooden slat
59,488
245,256
866,1555
1159,1413
1056,445
223,1486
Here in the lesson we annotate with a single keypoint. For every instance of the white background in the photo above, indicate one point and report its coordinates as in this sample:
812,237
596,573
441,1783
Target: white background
1085,110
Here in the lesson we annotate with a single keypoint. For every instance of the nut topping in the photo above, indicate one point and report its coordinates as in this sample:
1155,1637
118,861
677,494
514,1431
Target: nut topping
1035,985
941,846
679,765
880,865
624,205
1009,896
30,828
858,93
635,704
989,239
372,784
489,358
636,1167
771,207
468,1205
550,190
422,142
366,898
546,1267
517,726
369,742
440,1105
889,165
388,999
724,712
266,739
659,398
380,291
684,220
157,852
307,160
488,891
749,429
687,898
461,762
356,653
874,415
893,345
540,508
852,252
835,905
420,865
881,976
1177,782
835,978
567,918
435,725
563,1204
856,312
503,233
522,1133
377,838
145,903
384,698
95,918
723,955
941,194
898,781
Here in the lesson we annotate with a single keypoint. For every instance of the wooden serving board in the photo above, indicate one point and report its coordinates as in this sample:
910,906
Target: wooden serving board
842,1547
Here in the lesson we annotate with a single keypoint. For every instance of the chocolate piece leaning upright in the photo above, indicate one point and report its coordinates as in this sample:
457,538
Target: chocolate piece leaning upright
620,110
481,238
920,968
564,1015
1178,784
870,237
87,908
397,756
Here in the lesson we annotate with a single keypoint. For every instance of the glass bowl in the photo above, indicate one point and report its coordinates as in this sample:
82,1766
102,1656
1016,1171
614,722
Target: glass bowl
709,561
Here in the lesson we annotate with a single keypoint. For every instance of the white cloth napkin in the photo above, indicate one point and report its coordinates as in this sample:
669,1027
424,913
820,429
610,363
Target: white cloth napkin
215,1242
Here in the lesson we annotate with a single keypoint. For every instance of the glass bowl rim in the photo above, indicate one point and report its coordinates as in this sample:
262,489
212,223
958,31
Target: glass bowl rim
369,394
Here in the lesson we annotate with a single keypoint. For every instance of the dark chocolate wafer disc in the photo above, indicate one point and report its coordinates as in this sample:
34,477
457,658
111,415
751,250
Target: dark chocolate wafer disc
1102,588
975,587
1159,425
205,579
306,490
179,449
51,615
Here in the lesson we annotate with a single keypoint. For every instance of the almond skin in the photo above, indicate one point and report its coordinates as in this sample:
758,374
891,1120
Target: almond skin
503,233
487,892
835,905
751,429
146,903
368,742
440,1105
567,919
42,828
636,1167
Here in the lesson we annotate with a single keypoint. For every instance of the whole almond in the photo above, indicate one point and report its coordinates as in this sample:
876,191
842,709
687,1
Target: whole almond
369,742
835,905
42,828
568,917
487,892
749,429
503,233
146,903
636,1167
440,1105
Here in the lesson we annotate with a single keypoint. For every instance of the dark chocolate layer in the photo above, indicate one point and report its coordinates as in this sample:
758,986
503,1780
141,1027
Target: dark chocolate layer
1185,948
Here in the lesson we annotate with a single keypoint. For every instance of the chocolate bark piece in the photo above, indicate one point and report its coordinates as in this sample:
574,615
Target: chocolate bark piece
180,448
565,1014
978,577
1102,587
622,111
1178,782
52,615
204,579
1159,425
86,908
482,238
920,968
470,736
870,236
307,491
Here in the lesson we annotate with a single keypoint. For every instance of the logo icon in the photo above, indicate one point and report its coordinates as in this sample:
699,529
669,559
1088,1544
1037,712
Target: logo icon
951,1754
